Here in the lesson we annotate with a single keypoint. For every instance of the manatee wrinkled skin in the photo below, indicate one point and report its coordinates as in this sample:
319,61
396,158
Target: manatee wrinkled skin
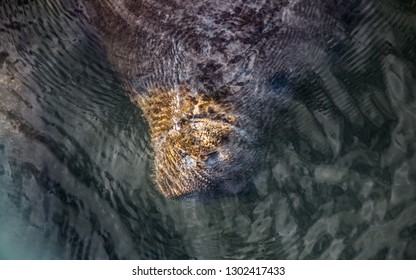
212,76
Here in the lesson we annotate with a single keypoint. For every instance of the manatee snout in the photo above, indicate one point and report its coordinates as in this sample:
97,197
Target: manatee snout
200,148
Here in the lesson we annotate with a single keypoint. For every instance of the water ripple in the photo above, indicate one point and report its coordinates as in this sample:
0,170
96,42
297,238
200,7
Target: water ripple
336,181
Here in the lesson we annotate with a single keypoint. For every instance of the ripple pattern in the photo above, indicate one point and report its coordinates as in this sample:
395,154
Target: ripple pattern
337,180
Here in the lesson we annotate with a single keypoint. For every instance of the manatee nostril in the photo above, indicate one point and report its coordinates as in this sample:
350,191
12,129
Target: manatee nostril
225,139
182,154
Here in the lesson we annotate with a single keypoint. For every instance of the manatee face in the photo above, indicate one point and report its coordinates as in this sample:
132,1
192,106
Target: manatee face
207,77
199,146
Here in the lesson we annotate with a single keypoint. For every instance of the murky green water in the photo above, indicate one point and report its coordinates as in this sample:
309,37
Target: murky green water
338,181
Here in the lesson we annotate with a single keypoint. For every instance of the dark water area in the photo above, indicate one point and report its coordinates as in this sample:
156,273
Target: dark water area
337,181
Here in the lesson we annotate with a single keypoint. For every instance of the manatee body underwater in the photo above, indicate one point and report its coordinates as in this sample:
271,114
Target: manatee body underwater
208,130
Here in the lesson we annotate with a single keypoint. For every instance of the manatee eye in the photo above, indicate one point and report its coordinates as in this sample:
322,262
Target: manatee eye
279,81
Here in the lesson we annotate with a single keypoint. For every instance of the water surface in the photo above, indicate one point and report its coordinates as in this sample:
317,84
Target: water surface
75,160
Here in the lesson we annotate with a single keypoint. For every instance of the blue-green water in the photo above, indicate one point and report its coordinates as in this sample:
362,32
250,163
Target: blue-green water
75,159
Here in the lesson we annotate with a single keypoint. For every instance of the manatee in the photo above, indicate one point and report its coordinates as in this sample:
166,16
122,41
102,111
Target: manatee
212,76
